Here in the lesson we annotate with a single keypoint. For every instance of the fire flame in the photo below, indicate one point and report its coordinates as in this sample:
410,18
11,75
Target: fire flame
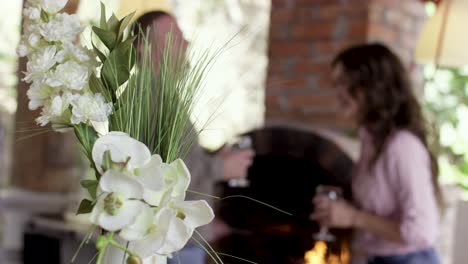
318,255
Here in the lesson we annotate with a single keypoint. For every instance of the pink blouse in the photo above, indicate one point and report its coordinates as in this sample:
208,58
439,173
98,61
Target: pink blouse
398,186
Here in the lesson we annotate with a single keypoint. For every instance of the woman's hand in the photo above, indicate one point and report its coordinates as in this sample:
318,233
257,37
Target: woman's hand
334,213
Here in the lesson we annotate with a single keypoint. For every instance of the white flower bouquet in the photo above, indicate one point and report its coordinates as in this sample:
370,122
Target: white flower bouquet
131,122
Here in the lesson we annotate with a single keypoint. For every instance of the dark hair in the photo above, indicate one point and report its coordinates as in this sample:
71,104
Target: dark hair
374,72
146,20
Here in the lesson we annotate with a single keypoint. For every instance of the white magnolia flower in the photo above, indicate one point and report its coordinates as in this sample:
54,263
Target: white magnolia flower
155,259
32,13
87,107
53,6
70,75
194,213
176,177
122,149
38,94
40,62
155,173
63,27
118,205
165,234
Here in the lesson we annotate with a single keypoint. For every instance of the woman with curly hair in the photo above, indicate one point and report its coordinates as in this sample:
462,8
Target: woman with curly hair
395,189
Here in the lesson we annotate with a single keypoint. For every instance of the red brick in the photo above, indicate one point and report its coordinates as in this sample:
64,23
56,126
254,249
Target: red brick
281,15
309,3
272,101
383,33
279,31
414,8
314,31
331,120
331,48
283,82
289,48
332,12
395,17
310,67
312,101
307,14
282,3
324,82
376,14
357,30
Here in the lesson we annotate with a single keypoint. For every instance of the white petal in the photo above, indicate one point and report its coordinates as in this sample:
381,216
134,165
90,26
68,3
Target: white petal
153,198
98,209
148,246
117,182
153,242
177,236
151,175
139,229
155,259
121,147
197,213
126,216
183,178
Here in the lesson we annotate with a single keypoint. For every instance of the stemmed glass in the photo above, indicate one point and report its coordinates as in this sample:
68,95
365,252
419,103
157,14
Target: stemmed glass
243,142
332,193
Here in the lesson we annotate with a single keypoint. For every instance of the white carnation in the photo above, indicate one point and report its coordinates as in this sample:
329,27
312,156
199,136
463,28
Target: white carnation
32,13
38,95
40,62
31,28
60,104
22,49
70,75
90,108
33,40
73,52
53,6
43,120
63,27
33,3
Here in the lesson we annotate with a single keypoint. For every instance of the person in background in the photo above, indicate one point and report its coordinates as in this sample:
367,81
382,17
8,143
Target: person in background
206,169
395,189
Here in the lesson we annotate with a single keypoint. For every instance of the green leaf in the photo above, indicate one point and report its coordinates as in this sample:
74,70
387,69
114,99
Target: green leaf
107,37
123,23
103,17
106,161
113,24
96,86
87,136
90,186
116,69
44,16
101,55
86,206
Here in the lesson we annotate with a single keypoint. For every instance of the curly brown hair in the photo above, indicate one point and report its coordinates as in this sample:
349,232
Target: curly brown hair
375,73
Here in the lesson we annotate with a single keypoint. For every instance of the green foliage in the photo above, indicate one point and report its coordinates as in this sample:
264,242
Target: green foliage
155,106
446,95
90,186
86,206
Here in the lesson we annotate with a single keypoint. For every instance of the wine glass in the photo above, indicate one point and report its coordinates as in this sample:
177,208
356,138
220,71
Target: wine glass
333,193
243,142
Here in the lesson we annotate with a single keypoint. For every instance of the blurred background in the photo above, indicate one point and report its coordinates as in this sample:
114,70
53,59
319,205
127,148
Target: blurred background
271,83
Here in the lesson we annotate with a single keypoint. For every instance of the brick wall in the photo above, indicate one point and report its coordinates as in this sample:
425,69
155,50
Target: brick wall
306,34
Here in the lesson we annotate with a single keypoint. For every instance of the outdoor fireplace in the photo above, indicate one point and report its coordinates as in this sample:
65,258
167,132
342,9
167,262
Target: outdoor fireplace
289,164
